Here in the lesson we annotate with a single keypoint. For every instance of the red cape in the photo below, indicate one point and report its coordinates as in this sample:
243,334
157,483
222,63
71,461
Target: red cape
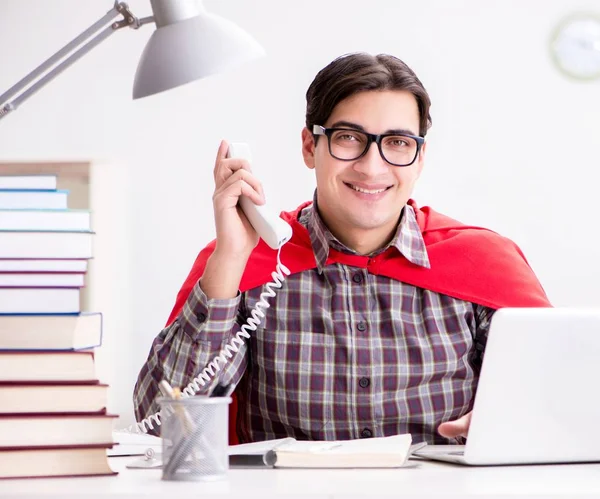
468,263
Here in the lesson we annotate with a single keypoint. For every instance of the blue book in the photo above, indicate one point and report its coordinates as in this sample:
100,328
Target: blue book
33,199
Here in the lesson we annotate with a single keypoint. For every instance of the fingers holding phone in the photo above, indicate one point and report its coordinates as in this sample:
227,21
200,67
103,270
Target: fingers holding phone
233,178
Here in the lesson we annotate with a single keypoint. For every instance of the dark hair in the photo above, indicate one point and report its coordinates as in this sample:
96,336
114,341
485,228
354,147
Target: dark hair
359,72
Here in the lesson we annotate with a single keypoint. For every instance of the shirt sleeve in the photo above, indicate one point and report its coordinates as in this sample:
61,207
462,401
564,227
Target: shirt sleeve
188,347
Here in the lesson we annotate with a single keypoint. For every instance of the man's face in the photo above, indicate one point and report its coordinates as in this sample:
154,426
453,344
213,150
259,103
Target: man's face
341,205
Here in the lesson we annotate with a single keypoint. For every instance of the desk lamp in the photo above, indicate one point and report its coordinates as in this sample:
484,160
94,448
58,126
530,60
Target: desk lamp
188,44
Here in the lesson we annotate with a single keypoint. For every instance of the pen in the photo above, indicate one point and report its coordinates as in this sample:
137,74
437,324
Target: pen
222,390
186,426
168,391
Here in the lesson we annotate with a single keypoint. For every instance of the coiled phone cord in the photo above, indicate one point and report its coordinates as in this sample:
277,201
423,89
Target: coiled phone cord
257,314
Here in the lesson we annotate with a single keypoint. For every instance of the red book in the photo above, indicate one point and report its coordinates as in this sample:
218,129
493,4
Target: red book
36,397
45,366
51,332
54,462
54,430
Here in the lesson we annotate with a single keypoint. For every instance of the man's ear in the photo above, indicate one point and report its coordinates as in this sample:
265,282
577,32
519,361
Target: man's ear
421,159
308,148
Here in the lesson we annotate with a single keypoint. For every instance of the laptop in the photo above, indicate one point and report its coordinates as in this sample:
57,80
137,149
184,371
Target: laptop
538,397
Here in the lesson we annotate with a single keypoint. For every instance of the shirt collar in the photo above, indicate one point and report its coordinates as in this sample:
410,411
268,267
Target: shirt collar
408,239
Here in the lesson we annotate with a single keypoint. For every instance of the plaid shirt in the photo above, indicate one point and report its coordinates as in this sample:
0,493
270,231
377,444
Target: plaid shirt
340,354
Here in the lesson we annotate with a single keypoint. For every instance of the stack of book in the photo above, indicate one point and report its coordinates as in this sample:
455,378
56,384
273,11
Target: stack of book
53,419
44,247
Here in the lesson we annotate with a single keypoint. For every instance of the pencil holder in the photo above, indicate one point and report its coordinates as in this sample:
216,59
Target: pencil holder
195,438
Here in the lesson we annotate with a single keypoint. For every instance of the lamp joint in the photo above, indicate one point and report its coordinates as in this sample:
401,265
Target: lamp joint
6,109
128,18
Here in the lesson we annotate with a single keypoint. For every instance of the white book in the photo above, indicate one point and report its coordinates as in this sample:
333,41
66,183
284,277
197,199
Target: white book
22,265
45,220
24,182
42,200
381,452
39,301
45,244
45,280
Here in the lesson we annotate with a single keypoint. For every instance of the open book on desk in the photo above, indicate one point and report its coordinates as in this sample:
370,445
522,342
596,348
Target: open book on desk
382,452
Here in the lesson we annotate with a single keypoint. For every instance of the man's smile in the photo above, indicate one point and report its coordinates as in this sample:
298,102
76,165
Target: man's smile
370,192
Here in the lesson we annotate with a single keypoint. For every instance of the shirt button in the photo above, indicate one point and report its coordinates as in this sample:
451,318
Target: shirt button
201,317
364,382
357,278
366,433
361,326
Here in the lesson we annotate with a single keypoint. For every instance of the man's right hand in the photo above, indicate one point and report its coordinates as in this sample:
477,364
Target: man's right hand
457,428
236,238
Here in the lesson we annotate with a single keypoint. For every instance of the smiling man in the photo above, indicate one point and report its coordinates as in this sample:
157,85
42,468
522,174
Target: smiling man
381,327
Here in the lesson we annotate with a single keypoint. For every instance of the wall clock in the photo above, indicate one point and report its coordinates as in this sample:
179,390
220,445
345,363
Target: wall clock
575,46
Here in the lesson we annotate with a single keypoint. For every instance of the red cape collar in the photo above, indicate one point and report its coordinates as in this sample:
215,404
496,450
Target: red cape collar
469,263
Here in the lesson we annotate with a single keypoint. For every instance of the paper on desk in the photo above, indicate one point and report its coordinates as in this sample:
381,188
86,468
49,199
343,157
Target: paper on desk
134,444
258,448
381,445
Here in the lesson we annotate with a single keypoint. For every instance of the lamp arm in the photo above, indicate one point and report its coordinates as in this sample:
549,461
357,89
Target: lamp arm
119,8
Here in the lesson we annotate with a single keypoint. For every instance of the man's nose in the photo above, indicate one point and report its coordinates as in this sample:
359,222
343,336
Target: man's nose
371,163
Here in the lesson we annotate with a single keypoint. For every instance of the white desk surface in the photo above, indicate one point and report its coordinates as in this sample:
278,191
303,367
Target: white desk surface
421,478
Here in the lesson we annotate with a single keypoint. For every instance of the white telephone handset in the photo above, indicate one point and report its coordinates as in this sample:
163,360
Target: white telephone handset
270,227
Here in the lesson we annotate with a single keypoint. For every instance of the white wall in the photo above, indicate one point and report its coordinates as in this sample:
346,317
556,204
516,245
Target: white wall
514,146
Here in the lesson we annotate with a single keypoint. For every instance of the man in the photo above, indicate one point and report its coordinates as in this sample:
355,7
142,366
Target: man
381,326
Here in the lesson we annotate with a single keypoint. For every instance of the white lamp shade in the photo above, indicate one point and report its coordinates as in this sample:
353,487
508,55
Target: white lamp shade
191,49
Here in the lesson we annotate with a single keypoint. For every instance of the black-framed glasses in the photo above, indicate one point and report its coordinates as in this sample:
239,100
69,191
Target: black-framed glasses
348,144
